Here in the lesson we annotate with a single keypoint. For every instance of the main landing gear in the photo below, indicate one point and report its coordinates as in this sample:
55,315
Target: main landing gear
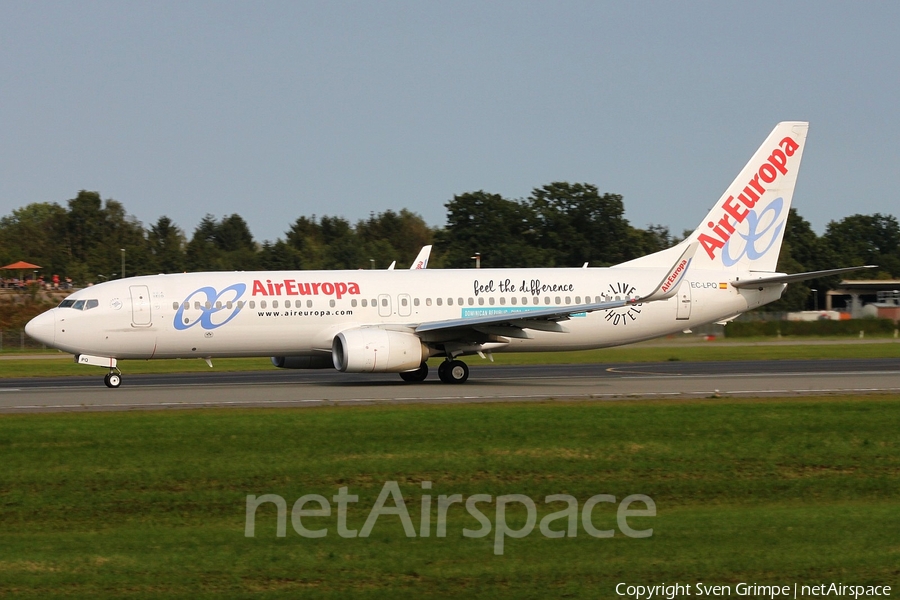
450,371
415,376
453,371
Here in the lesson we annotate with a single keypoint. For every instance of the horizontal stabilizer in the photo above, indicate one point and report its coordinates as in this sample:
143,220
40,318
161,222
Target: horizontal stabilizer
780,279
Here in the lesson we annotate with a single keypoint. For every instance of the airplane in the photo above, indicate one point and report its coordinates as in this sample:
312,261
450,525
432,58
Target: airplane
370,321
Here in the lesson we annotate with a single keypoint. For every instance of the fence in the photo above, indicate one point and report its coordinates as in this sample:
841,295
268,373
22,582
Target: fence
15,339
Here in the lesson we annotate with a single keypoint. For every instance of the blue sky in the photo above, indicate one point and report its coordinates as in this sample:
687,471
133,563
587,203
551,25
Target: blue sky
275,110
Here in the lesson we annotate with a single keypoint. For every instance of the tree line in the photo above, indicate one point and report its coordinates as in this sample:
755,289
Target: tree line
560,224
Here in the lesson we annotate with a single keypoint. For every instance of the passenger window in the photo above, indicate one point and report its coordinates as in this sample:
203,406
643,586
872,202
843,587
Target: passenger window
384,302
471,301
403,302
502,300
365,302
92,304
524,300
440,301
512,300
331,303
287,303
274,303
481,302
253,304
557,299
218,305
174,306
262,303
353,303
196,305
568,300
460,301
240,304
577,299
449,301
427,301
309,304
208,305
415,301
491,300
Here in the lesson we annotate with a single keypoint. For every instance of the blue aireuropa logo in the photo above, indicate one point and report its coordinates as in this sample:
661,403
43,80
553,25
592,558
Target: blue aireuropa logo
771,228
214,307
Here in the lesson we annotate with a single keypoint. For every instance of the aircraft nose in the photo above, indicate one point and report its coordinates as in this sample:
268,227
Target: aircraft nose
42,328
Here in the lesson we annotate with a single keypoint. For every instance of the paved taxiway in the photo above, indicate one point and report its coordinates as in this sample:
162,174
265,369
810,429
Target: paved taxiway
671,380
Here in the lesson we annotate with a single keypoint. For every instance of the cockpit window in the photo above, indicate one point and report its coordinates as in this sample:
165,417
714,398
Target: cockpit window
79,304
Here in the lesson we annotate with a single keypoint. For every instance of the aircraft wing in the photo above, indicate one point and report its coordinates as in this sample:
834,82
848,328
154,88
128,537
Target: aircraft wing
546,319
765,281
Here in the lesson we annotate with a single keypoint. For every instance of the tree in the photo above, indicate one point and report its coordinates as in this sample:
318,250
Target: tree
96,233
576,225
222,246
390,236
201,253
166,243
504,232
35,233
867,239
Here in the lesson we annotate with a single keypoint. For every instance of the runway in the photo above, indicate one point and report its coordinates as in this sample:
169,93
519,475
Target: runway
669,380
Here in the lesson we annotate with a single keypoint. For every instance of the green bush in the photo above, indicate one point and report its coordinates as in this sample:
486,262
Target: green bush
773,328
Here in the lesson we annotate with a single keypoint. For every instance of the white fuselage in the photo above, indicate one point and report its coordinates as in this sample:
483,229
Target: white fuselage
298,313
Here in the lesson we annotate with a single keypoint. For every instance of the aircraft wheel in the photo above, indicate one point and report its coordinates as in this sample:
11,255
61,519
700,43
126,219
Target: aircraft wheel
415,376
453,371
112,380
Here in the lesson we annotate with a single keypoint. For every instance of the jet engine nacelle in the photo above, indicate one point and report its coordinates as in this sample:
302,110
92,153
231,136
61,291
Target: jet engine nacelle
322,361
374,350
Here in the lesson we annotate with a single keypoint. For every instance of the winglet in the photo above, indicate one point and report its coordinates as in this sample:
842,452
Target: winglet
669,285
421,261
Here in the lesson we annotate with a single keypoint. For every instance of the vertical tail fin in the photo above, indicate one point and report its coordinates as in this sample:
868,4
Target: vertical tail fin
745,228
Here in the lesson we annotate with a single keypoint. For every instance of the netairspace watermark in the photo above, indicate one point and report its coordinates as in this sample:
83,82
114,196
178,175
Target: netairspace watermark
671,591
502,530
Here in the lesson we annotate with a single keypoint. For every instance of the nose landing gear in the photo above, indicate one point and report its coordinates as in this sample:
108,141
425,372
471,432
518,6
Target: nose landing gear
113,379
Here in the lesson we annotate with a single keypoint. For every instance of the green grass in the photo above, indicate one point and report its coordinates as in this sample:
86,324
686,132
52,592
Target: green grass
152,504
646,352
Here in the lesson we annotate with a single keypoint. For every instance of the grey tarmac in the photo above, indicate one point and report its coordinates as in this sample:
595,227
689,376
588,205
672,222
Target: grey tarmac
281,388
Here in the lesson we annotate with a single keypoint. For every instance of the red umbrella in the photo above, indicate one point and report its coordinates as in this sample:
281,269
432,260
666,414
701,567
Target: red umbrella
21,266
